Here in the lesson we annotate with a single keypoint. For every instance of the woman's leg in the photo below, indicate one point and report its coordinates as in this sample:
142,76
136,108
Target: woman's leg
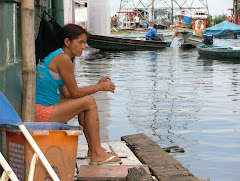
66,110
81,120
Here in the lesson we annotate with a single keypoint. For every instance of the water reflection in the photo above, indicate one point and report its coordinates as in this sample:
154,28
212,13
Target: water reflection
174,97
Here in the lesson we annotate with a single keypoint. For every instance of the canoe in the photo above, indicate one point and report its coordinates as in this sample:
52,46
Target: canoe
219,52
143,38
167,36
108,43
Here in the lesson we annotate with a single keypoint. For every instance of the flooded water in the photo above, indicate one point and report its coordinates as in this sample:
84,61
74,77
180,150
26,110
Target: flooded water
176,98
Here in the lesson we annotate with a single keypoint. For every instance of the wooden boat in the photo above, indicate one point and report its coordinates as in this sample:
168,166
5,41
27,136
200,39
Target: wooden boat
123,44
167,36
219,52
188,40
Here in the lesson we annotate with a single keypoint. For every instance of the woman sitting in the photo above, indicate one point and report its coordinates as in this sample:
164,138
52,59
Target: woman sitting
55,75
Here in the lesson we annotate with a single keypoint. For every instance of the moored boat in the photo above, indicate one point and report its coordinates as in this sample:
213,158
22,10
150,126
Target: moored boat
123,44
188,40
219,52
224,30
166,35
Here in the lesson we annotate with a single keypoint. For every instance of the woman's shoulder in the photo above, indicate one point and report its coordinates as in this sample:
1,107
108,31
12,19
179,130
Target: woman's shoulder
63,57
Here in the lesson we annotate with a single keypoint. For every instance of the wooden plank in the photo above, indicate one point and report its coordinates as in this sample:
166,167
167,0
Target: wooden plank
138,174
82,150
106,172
163,166
122,150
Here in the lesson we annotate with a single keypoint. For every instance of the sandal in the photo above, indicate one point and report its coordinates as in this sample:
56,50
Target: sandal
107,161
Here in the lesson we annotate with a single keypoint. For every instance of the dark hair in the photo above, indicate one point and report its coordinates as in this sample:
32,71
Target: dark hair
70,31
155,26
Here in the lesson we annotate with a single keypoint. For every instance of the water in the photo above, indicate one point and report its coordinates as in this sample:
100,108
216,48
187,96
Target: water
175,98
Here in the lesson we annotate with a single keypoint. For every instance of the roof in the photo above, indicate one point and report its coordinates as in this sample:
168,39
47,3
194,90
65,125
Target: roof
223,28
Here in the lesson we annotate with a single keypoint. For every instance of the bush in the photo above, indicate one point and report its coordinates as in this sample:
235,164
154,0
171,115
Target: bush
209,21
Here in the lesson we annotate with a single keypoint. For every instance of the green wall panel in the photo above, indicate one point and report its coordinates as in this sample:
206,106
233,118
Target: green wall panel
10,49
11,84
10,53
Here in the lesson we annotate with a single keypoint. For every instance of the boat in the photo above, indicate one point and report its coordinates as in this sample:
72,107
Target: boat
219,52
188,40
229,35
166,35
224,30
108,43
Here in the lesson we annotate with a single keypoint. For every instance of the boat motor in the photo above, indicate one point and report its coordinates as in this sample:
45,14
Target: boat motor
207,39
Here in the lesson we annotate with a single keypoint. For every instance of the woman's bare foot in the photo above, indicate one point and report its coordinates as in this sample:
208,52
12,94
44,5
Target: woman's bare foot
102,155
112,153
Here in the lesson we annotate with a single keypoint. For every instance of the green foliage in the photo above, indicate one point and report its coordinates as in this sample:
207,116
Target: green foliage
219,19
189,27
209,21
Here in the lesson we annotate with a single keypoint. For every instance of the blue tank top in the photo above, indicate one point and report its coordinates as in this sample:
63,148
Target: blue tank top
47,88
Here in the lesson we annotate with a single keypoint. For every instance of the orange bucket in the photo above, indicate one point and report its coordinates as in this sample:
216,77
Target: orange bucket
58,146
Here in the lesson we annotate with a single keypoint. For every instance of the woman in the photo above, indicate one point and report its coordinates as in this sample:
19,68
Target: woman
55,74
198,31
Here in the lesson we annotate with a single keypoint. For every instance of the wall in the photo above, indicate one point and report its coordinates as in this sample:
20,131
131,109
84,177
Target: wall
69,13
98,17
10,49
10,59
80,14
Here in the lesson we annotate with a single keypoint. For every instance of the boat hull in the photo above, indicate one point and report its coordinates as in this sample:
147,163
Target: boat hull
219,52
229,35
188,40
107,43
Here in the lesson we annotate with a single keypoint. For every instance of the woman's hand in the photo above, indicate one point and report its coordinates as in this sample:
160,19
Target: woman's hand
106,84
104,79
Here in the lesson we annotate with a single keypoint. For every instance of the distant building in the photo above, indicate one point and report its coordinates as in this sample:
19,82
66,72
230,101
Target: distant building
81,12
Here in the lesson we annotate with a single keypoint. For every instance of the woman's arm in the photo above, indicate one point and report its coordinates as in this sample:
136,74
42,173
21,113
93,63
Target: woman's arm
65,68
65,92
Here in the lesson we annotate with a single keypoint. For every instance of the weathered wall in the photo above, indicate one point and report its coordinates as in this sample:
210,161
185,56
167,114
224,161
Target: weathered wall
10,53
10,59
10,49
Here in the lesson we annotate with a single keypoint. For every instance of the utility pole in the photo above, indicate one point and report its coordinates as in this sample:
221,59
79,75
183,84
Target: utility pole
172,10
235,8
152,11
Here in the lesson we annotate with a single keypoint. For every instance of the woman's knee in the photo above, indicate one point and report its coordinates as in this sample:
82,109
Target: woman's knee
90,101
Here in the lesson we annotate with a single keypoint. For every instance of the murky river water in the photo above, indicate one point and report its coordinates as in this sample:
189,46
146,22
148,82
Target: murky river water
175,98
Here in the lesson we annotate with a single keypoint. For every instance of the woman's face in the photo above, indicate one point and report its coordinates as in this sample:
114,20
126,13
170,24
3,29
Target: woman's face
78,45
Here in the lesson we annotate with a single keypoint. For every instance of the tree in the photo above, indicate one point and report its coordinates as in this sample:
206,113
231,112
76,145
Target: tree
219,19
209,21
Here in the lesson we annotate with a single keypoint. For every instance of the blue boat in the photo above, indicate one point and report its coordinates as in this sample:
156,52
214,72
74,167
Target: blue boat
224,30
